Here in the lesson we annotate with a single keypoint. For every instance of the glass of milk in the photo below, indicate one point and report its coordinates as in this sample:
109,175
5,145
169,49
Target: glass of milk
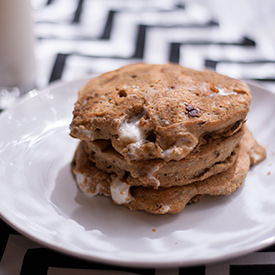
17,63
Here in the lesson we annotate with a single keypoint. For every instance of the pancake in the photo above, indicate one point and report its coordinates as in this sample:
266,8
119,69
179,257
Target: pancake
94,181
208,159
159,111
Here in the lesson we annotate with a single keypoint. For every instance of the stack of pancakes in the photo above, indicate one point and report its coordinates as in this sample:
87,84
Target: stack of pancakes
157,137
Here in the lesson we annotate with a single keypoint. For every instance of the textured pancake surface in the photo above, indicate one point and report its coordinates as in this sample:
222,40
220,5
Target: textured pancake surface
159,111
94,181
206,160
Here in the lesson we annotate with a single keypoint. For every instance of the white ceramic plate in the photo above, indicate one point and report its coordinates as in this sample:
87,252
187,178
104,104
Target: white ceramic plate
38,196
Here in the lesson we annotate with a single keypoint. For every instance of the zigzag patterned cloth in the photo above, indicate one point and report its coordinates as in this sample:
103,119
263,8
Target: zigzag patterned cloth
80,37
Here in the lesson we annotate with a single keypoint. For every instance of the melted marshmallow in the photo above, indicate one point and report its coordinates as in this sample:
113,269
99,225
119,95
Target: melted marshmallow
151,176
224,92
131,131
166,154
80,179
120,191
255,156
134,146
86,133
84,184
164,209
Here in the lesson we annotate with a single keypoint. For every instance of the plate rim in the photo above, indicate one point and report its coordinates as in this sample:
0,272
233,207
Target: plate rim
108,259
139,264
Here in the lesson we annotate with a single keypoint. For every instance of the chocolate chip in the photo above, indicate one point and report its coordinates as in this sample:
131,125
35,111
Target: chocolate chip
192,111
122,93
151,136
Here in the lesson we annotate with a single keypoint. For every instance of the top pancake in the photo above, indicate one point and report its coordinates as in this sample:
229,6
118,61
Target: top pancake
159,111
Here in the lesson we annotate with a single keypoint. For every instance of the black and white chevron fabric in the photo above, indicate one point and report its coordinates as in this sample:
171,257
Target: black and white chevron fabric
19,255
79,37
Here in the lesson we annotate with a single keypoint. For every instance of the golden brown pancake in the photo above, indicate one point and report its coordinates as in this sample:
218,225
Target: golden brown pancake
92,180
211,158
159,111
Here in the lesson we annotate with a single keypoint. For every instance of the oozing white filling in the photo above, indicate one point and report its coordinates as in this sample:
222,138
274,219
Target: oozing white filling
134,146
80,179
83,182
164,209
167,153
131,131
255,156
173,150
222,91
151,176
86,133
120,191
